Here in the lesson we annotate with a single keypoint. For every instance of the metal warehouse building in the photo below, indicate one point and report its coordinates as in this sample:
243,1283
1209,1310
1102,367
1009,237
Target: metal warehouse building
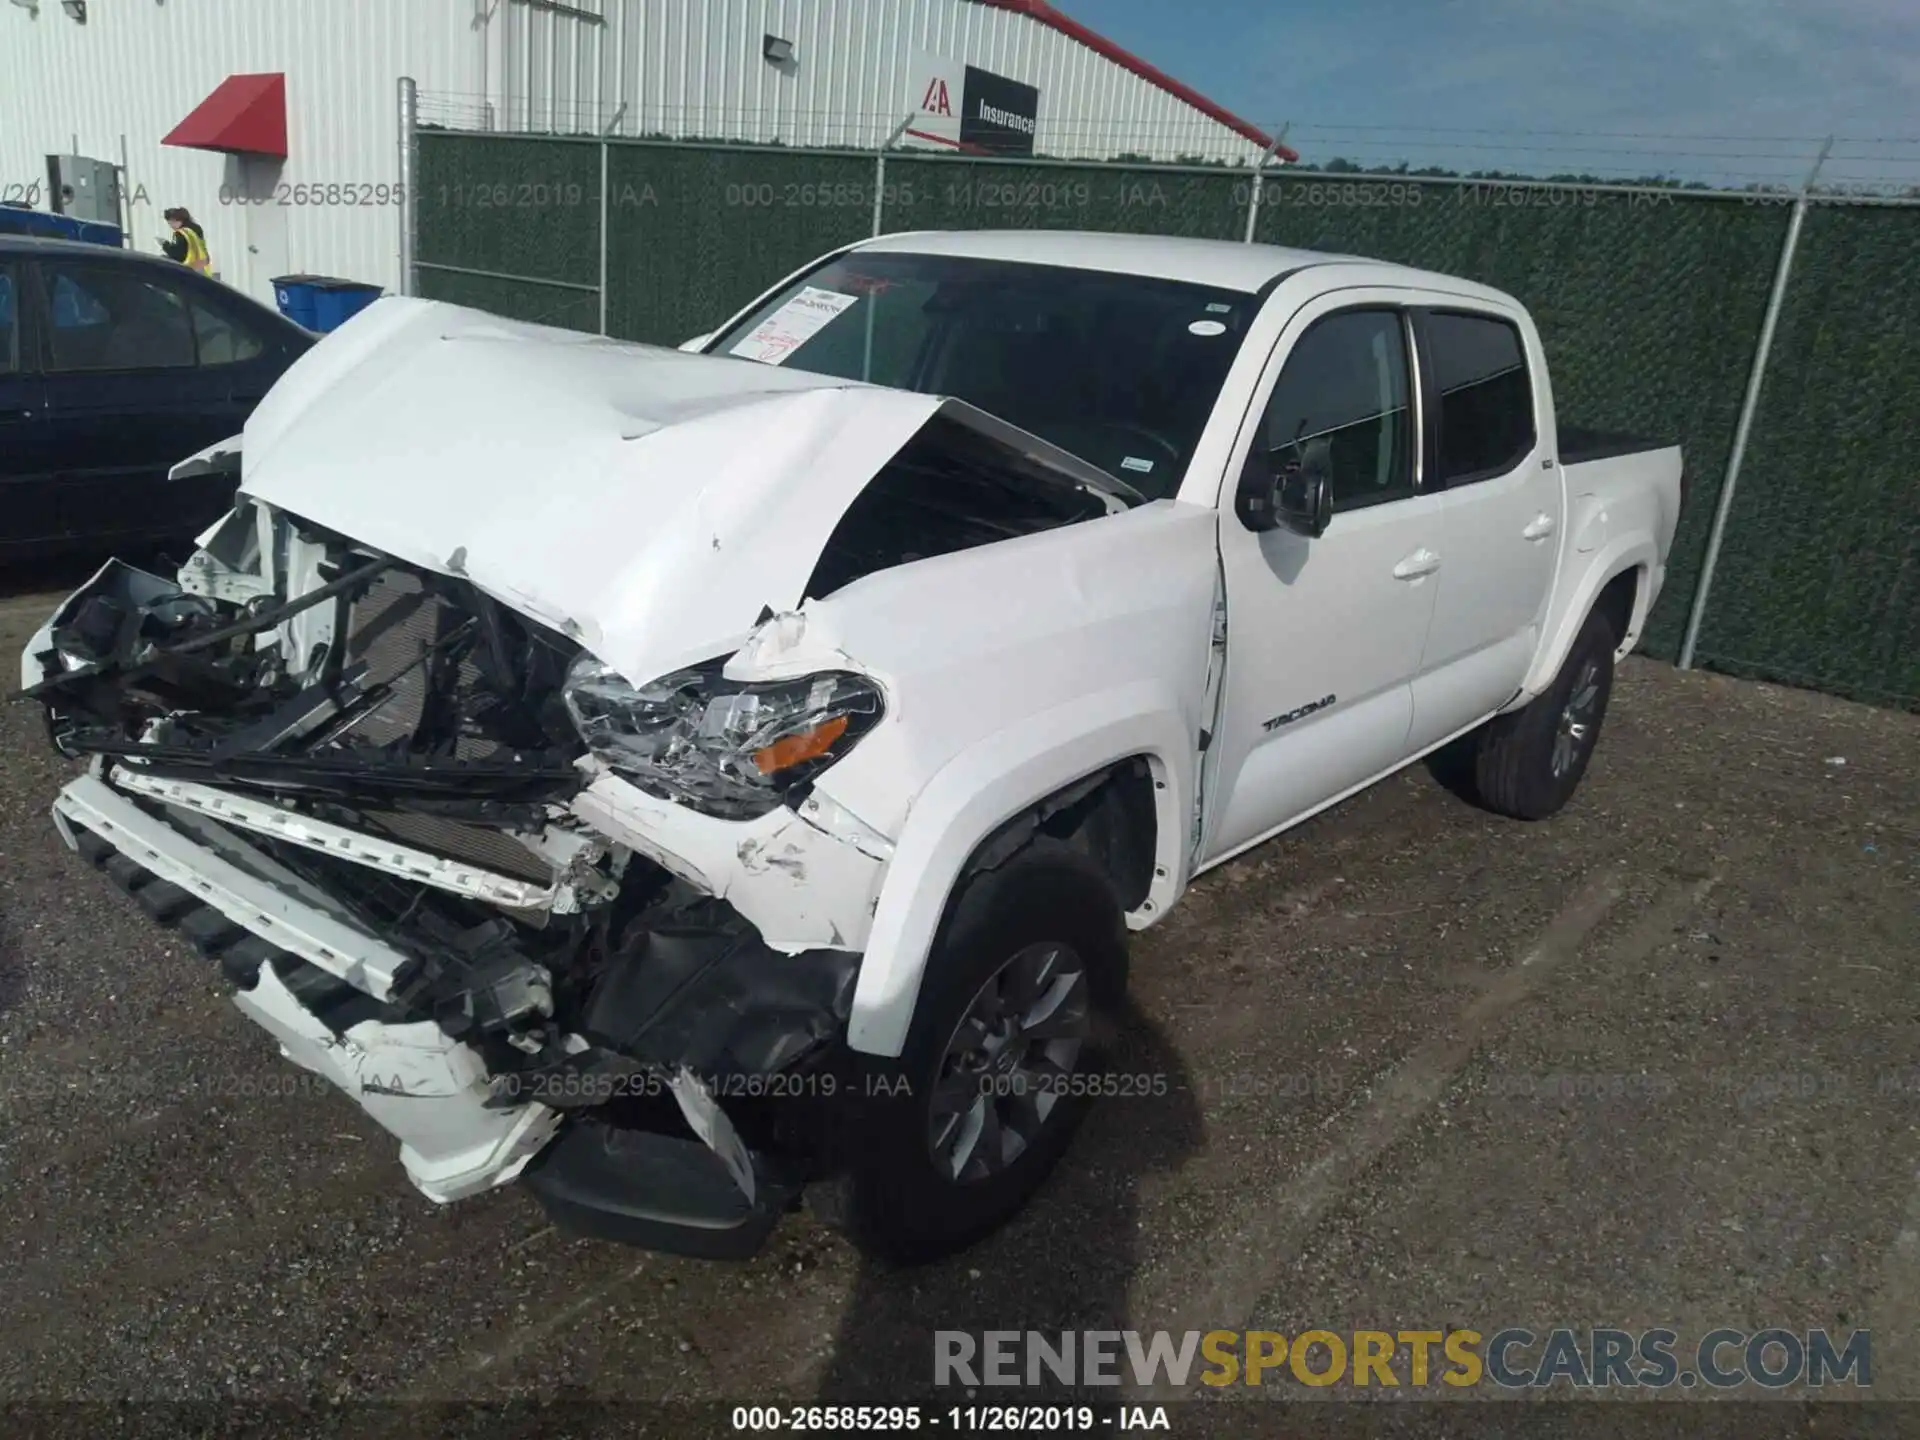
277,122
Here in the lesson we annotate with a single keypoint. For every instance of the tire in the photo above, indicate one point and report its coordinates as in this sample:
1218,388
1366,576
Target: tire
898,1199
1528,763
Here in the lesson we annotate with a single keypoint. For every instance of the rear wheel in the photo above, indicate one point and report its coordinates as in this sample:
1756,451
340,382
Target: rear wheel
1528,763
966,1125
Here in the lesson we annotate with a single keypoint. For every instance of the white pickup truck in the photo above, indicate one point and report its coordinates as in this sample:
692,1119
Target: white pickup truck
688,782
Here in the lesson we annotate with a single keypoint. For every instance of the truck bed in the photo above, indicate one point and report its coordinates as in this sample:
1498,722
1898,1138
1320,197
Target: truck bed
1579,445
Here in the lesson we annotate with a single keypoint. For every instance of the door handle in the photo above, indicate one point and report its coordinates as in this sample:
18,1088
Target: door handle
16,414
1421,562
1539,527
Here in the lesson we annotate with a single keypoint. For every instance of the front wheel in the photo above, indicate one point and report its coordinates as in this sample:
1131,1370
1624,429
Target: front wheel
967,1124
1528,763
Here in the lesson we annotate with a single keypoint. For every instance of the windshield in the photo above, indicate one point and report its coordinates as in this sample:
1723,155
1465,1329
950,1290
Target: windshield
1117,369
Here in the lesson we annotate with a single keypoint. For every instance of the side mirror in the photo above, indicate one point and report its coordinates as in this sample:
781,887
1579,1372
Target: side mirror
1291,486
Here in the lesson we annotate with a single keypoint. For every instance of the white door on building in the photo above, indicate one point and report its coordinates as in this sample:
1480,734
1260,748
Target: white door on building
251,244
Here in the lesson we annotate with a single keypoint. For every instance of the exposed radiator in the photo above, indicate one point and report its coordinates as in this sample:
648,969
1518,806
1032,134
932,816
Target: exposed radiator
389,628
486,848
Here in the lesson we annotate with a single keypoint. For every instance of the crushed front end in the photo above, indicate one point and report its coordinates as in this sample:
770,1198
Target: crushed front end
399,816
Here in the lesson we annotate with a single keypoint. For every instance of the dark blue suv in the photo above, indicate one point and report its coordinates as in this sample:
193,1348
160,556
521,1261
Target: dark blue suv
115,366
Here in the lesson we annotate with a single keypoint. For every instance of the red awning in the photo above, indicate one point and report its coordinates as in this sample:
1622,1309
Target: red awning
246,115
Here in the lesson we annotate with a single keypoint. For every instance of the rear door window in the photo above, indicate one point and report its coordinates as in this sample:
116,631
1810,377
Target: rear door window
1477,369
108,317
222,338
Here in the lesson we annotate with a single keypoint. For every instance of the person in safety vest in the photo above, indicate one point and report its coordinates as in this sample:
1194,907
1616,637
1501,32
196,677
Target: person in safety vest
189,242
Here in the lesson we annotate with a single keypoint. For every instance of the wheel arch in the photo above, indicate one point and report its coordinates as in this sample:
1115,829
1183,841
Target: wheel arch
1618,578
1618,600
1109,816
1085,773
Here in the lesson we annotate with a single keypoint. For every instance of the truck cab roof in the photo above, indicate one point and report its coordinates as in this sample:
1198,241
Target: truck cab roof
1222,264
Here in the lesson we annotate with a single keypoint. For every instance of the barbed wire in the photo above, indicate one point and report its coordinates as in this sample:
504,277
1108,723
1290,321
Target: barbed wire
1516,146
1803,139
1653,156
1368,134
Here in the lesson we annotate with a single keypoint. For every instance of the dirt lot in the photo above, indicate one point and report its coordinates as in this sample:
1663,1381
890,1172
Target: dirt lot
1651,1063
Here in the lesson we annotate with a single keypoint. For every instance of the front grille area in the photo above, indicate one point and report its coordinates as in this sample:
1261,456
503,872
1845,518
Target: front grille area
488,849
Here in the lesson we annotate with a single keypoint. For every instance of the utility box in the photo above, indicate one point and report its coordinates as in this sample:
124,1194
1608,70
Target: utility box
84,188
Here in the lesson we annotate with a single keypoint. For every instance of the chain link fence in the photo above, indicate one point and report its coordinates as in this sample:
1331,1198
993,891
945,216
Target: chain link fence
1652,302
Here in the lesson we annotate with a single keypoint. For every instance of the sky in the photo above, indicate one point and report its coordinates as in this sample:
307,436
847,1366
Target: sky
1414,80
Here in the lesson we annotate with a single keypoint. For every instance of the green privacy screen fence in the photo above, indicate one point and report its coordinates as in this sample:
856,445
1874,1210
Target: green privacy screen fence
1651,303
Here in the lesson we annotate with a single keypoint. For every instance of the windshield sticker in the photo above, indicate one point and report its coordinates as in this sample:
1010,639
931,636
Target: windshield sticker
792,325
1219,307
1134,462
1206,327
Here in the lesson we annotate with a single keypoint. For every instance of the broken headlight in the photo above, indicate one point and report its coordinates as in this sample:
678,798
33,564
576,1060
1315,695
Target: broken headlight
721,747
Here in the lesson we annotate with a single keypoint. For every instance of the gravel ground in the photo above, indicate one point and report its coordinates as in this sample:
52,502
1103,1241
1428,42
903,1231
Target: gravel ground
1651,1063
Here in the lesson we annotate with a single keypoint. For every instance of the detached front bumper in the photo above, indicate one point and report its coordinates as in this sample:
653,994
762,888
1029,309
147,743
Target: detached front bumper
513,986
285,949
304,969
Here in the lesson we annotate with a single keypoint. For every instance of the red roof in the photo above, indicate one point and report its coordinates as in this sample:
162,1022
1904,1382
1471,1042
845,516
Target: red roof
1043,12
245,115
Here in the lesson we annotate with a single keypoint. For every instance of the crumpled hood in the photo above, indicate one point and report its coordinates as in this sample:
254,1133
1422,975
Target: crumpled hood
651,503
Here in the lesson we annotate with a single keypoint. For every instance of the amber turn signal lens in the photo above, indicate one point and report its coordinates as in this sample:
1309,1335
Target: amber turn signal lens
790,750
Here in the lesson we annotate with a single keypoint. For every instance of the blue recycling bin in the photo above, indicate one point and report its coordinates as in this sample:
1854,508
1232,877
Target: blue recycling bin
294,294
20,220
99,232
322,302
337,301
16,219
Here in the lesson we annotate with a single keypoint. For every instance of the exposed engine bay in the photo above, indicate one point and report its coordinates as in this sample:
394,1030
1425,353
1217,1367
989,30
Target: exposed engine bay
542,785
396,748
383,680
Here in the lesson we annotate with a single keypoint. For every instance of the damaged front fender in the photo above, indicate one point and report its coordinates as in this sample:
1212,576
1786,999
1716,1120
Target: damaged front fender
805,879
